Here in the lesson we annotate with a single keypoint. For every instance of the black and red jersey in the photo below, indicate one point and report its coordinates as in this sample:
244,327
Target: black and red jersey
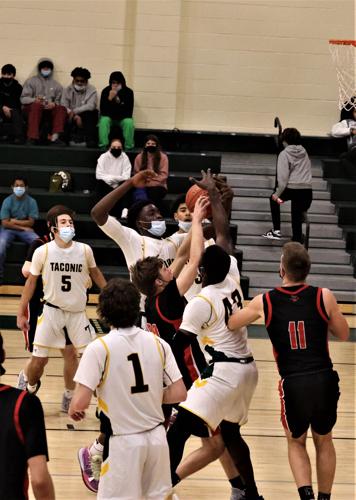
297,324
22,436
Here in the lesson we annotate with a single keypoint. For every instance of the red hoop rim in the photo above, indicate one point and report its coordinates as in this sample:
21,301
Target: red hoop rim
343,42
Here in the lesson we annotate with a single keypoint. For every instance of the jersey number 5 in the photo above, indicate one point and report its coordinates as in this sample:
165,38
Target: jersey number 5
297,335
140,386
66,284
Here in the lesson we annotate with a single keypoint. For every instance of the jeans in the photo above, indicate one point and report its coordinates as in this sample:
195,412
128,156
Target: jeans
7,236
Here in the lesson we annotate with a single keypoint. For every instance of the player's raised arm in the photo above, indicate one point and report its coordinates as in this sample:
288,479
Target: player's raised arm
100,211
247,315
337,323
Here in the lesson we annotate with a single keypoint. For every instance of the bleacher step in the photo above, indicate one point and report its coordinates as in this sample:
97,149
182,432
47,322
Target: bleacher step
285,217
271,253
316,230
262,204
258,240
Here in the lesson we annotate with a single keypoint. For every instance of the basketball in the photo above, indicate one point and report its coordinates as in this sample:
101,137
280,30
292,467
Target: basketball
192,195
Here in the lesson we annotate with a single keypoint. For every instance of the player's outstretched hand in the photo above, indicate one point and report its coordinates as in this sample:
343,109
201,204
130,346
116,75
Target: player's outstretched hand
206,182
200,208
22,322
142,177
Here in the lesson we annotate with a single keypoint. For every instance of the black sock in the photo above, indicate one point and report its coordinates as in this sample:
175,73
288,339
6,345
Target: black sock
236,482
324,496
306,493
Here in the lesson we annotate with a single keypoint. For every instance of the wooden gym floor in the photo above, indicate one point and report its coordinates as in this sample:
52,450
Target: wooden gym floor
263,432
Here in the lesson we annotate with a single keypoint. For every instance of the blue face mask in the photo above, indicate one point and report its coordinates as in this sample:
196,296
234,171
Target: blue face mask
19,191
185,225
66,234
46,72
158,227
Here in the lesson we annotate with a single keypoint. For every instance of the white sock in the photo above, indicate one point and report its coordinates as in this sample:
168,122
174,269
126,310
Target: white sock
96,448
54,137
31,388
68,393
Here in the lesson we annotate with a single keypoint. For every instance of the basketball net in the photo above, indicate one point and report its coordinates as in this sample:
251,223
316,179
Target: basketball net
343,53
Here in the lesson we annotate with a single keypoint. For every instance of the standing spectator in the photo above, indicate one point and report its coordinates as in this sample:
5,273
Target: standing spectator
142,374
116,108
10,104
80,99
298,317
152,158
347,128
18,214
23,442
113,168
294,182
41,96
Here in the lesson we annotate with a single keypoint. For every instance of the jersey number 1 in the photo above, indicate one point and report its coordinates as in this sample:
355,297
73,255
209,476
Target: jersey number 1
140,386
297,335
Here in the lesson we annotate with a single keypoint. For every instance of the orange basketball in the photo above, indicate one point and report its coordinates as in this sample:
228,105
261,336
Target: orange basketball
192,196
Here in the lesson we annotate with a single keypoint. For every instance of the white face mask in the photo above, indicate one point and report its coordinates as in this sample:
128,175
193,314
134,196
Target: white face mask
19,191
79,88
185,225
66,234
158,227
46,72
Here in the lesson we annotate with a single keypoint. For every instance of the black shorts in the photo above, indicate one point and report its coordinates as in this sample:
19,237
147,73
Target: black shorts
309,400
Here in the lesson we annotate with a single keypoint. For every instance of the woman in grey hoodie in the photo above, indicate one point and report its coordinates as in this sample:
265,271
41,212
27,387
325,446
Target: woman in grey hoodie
294,182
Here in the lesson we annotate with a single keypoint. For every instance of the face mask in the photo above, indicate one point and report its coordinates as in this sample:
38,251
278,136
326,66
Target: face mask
19,190
185,225
46,72
158,227
6,81
151,149
79,88
66,234
116,152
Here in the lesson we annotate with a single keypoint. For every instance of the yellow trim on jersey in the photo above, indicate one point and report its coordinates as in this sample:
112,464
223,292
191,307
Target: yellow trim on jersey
104,468
197,415
207,340
208,325
107,363
103,406
160,348
39,319
200,383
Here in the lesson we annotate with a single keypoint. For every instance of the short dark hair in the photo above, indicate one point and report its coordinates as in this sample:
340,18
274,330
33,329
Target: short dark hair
216,263
295,261
46,63
134,212
119,303
82,72
117,76
115,139
54,212
8,69
144,274
19,178
291,136
178,201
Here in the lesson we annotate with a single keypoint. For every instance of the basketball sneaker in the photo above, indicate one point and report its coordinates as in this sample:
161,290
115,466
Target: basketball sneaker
21,381
65,403
273,235
237,494
86,463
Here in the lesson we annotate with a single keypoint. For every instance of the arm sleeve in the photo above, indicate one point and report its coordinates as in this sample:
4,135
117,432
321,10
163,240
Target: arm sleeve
65,101
33,211
38,261
28,94
90,105
341,129
171,371
127,101
104,102
89,256
5,210
126,169
163,170
33,427
91,365
282,173
197,313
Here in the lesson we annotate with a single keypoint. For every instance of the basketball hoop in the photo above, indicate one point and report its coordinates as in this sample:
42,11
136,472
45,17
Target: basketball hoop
343,53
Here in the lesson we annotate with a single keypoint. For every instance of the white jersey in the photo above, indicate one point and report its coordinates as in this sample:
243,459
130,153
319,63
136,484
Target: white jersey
65,274
128,368
196,286
207,315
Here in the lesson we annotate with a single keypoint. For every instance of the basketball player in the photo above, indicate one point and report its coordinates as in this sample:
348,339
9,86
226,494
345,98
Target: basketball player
298,317
35,310
23,444
222,394
130,390
66,268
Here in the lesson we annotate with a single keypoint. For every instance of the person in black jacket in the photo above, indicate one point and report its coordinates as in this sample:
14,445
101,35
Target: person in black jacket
116,108
11,123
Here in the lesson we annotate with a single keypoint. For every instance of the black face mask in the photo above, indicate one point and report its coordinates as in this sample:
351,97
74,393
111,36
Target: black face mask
116,152
151,149
7,81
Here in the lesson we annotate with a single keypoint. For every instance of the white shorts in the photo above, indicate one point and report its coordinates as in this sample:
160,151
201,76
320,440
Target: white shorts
51,327
225,395
137,467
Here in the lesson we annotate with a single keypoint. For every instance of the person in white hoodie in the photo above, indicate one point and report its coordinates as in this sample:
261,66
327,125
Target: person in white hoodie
294,182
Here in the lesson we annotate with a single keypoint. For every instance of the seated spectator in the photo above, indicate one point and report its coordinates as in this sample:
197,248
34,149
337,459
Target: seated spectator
116,108
152,158
11,122
347,128
41,97
112,169
18,214
80,99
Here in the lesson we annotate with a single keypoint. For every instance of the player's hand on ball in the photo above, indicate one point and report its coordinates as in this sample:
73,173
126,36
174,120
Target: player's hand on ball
207,181
200,209
140,179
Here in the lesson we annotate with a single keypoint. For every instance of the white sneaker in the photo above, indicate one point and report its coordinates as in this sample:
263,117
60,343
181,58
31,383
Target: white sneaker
273,235
21,381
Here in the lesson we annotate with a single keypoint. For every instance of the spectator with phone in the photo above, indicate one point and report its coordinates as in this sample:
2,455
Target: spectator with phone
116,108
